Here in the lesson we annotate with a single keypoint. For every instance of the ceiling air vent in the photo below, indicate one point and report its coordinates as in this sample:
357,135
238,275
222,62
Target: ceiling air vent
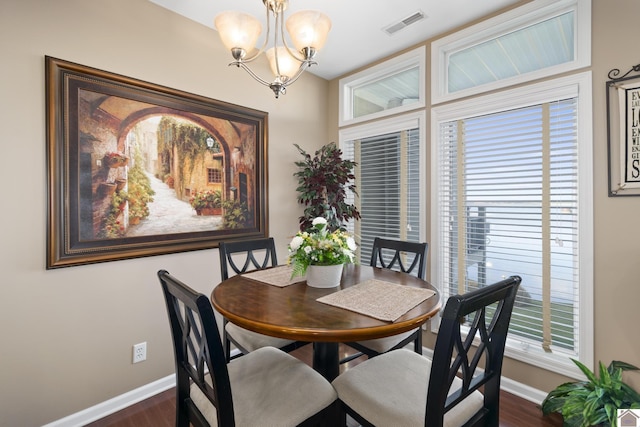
412,19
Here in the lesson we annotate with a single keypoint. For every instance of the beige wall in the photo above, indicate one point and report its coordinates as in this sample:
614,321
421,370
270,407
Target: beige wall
67,334
617,237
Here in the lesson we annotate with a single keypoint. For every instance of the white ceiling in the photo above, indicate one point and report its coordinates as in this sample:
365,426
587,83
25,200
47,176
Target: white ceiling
356,37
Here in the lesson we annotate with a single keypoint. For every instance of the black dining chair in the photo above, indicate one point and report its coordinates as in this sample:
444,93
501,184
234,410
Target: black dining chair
267,387
241,257
399,255
402,388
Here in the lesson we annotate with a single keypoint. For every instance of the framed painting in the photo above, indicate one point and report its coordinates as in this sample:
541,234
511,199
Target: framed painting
623,132
136,169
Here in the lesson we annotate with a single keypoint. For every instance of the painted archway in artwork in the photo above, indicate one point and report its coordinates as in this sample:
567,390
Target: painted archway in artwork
119,126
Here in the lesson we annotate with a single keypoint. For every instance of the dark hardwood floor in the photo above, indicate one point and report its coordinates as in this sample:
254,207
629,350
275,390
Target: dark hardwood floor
159,410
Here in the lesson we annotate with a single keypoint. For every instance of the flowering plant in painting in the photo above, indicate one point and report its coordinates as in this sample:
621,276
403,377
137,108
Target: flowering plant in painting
115,156
319,246
206,199
115,159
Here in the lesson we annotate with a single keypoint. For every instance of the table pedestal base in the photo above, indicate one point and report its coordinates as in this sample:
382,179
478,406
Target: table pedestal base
326,360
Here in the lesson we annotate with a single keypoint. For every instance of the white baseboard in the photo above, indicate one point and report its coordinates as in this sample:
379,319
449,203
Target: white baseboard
116,404
132,397
510,386
522,390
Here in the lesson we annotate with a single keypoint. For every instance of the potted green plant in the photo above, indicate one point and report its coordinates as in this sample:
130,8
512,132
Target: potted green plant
207,202
140,192
323,181
106,189
170,181
113,224
236,215
595,401
115,160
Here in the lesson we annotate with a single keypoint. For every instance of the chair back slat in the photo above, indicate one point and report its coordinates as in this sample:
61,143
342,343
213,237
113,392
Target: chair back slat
247,255
400,255
455,354
198,353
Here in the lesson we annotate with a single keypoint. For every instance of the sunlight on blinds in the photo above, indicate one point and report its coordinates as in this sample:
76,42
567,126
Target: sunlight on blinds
387,178
509,196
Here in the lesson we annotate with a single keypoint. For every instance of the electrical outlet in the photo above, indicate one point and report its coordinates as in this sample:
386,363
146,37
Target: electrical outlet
139,352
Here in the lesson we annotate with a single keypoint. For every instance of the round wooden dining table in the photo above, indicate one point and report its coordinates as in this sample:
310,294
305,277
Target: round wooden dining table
292,312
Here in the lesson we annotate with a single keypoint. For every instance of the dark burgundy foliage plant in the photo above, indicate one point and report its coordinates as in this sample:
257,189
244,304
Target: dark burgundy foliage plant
323,181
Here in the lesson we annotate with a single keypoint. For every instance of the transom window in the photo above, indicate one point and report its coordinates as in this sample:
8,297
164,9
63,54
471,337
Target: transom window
539,39
395,86
528,49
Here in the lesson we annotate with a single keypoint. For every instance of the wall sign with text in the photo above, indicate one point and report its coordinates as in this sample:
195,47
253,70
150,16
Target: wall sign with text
623,128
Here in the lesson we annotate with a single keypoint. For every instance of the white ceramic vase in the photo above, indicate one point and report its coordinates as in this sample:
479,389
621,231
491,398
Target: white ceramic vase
324,276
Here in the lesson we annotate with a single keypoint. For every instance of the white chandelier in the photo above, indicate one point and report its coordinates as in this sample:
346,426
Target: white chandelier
308,29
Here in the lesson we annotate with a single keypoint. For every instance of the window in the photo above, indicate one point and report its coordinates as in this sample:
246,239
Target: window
513,195
388,178
395,86
214,176
539,39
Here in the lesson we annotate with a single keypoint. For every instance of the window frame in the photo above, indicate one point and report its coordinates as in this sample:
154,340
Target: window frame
215,173
577,84
396,65
416,119
518,18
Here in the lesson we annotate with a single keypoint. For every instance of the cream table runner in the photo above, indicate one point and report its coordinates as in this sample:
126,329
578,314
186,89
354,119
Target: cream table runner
277,276
379,299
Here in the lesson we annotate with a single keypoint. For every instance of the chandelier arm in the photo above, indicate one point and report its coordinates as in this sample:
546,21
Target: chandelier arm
278,22
295,55
251,73
264,45
296,76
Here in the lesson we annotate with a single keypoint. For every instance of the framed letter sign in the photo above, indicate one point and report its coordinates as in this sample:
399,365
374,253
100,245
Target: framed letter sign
136,169
623,126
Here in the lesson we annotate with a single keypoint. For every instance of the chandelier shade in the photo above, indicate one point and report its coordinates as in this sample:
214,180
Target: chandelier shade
308,30
282,64
238,30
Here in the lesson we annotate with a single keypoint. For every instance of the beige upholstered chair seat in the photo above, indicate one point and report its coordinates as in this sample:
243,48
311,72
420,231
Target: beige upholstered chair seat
270,388
252,341
401,388
391,390
267,387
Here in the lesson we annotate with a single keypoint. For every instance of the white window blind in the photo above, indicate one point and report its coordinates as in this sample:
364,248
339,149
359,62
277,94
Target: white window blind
388,185
508,205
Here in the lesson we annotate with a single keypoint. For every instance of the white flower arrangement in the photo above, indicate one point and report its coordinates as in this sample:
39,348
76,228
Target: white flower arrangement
318,246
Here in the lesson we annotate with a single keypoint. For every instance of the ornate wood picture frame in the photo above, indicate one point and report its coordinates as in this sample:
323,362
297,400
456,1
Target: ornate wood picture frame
136,169
623,132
